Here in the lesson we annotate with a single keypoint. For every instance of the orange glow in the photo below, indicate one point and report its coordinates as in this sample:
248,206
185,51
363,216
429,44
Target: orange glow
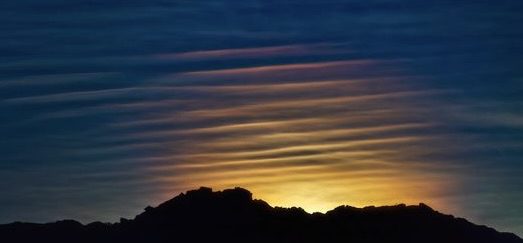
315,144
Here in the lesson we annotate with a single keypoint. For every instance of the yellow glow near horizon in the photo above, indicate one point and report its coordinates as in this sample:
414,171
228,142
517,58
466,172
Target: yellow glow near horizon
315,144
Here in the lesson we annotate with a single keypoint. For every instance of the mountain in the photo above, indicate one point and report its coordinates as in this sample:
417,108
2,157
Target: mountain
233,216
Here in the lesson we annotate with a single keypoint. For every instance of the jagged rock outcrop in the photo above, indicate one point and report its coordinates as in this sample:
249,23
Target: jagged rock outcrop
233,216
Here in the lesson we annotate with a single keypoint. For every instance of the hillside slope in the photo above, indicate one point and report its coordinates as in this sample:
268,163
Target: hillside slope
233,216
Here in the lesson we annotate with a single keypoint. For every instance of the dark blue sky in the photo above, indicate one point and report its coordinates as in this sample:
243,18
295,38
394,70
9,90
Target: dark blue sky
108,106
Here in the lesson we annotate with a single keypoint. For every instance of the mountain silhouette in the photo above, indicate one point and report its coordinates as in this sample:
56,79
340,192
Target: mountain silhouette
233,216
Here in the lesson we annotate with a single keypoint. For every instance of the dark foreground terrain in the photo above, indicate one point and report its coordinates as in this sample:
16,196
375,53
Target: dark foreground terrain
233,216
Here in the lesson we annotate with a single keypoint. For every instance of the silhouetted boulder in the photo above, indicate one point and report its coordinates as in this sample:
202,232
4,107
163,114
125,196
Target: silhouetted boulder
233,216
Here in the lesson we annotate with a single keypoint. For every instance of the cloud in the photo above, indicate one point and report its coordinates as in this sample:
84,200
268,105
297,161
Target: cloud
342,102
255,52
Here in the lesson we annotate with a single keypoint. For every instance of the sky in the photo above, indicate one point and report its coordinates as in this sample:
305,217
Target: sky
109,106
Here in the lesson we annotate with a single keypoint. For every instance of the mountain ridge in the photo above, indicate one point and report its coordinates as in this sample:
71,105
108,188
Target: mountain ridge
233,215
